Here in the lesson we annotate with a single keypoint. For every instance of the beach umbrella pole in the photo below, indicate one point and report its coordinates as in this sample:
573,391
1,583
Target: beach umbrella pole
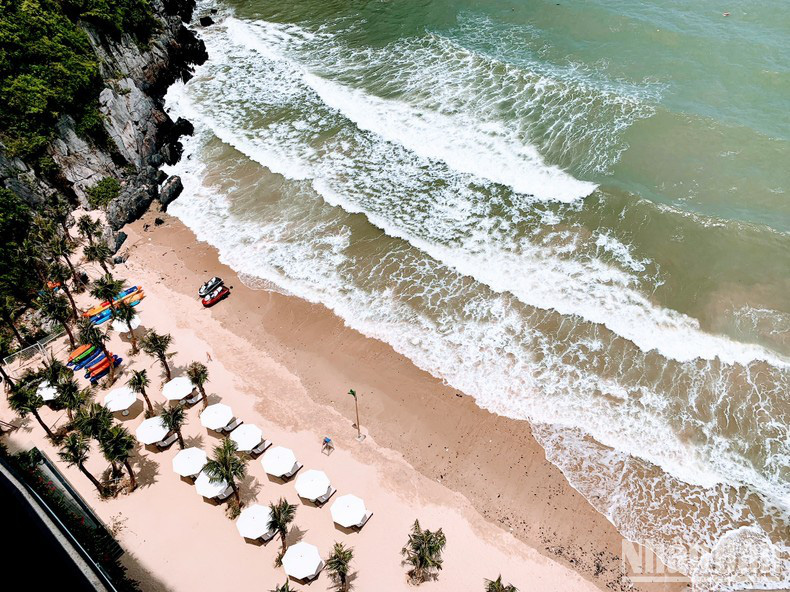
360,436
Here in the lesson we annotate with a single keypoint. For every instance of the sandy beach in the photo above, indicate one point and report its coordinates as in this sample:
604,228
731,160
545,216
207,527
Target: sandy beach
286,365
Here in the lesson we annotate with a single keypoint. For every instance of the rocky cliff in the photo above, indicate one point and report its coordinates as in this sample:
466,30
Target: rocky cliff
140,135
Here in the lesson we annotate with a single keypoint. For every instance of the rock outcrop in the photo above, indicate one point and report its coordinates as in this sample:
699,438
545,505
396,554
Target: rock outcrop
140,135
171,189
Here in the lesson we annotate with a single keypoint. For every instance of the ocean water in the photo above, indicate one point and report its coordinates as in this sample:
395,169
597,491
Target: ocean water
575,212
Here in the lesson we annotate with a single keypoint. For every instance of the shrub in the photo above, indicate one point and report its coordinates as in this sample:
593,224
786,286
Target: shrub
101,194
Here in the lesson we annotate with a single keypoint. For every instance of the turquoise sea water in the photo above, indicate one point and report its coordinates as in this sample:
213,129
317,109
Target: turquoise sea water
576,212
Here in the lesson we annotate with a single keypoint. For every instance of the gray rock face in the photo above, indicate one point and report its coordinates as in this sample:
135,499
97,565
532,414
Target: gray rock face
171,189
22,180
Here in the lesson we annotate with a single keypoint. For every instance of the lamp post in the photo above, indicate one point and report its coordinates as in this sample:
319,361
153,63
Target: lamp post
353,393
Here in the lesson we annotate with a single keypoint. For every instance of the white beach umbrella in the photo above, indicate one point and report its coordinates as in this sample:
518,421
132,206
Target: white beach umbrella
253,521
120,399
302,561
189,461
247,436
312,484
152,430
216,416
46,391
278,461
348,511
121,326
178,388
208,489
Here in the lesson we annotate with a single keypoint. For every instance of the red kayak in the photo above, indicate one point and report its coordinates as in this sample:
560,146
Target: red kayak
215,296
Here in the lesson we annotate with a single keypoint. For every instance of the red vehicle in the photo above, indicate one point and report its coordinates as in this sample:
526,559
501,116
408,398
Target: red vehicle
215,296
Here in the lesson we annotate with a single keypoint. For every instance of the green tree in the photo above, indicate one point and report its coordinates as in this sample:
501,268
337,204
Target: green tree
24,401
282,514
8,308
423,552
117,444
88,228
92,420
90,333
56,309
498,586
16,248
227,466
99,252
106,288
286,587
339,563
103,192
158,346
59,211
71,396
174,418
63,249
124,312
138,383
60,273
54,371
198,375
75,451
5,350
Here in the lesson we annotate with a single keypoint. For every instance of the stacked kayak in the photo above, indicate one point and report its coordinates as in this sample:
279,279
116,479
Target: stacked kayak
102,312
93,361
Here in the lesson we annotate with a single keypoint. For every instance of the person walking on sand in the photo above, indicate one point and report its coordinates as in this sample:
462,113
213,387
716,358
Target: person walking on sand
327,447
208,357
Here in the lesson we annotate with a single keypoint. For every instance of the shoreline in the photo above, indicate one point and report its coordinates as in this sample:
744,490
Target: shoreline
439,431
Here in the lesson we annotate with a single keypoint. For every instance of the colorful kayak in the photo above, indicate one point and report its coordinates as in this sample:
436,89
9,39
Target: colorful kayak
80,350
106,315
95,357
103,373
106,304
104,364
86,354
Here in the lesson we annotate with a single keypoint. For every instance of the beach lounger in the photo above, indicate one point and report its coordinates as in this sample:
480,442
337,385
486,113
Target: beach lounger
261,447
225,494
325,498
293,472
192,400
268,536
364,520
167,441
235,422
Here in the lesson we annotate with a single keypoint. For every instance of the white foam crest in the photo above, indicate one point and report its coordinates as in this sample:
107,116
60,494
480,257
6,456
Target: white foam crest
370,180
491,353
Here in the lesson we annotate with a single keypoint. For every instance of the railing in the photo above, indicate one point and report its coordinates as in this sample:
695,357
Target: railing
98,571
27,353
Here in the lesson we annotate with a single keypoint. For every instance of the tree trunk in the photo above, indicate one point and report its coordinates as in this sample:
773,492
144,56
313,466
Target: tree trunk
148,402
73,271
104,267
108,355
69,333
10,322
131,474
283,534
180,439
74,310
236,493
203,395
93,479
6,377
133,336
43,425
165,366
66,232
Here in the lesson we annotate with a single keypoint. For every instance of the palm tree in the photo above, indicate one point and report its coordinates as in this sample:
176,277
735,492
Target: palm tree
174,418
71,396
339,563
116,445
24,401
227,466
5,350
60,247
138,383
60,273
59,211
8,308
98,252
54,371
124,312
56,309
286,587
498,586
93,420
157,345
107,288
88,228
423,552
282,514
74,452
198,375
90,333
